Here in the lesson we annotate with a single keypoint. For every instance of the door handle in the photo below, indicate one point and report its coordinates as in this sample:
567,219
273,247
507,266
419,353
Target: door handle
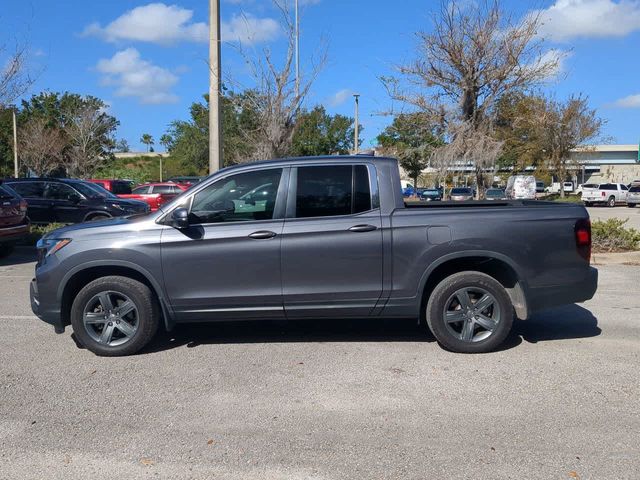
262,235
363,228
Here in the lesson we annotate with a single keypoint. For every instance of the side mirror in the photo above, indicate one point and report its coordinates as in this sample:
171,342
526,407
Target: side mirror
180,218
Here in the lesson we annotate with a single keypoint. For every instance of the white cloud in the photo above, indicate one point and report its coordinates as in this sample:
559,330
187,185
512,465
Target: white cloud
155,23
632,101
134,77
250,30
557,56
568,19
339,97
168,24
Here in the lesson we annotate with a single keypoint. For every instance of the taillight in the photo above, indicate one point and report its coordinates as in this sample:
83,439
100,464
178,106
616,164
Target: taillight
583,238
603,194
23,205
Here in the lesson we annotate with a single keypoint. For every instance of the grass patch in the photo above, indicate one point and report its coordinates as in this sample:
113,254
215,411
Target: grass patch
612,236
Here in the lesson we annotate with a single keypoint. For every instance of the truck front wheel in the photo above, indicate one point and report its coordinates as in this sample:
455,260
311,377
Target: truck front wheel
470,312
114,316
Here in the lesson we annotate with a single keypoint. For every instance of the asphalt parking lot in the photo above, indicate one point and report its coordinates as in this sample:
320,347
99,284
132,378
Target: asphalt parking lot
605,213
326,400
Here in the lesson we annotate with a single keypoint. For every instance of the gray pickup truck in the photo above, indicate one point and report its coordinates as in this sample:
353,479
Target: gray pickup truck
327,237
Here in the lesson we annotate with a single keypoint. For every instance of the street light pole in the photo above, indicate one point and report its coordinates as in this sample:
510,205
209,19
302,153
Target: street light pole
15,144
356,133
215,132
297,51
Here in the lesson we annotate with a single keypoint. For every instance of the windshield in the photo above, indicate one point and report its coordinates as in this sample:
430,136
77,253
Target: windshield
93,190
461,191
495,193
635,189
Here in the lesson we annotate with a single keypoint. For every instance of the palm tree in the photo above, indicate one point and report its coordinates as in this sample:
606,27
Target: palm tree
147,139
166,141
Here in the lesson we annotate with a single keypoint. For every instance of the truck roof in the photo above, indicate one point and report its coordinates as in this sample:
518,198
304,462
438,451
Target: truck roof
313,159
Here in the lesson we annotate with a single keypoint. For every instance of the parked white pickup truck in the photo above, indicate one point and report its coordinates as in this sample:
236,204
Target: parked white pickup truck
608,194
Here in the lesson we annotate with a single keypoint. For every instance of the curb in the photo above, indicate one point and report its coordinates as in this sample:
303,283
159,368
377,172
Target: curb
622,258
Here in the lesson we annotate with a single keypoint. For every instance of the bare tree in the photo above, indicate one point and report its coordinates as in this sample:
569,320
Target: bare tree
14,76
272,96
41,147
89,131
563,126
474,55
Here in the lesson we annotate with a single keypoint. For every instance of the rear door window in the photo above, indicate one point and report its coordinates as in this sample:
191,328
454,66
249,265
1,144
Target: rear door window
29,189
163,189
327,191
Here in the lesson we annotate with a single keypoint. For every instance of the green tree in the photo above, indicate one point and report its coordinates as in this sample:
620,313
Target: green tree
122,146
166,141
318,133
411,137
86,127
147,140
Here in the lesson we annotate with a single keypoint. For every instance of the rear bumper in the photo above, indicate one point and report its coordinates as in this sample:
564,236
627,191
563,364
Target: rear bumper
15,232
547,297
48,314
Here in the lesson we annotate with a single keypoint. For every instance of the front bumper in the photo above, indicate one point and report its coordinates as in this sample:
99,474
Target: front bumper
547,297
50,315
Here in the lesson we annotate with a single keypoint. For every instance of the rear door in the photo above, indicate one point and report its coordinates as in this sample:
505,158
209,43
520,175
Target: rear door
39,209
332,242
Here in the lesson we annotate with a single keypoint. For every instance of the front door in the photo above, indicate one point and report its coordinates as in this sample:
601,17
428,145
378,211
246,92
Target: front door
66,203
332,242
226,265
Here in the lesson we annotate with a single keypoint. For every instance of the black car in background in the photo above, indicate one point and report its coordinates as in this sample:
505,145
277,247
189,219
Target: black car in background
14,224
56,200
429,194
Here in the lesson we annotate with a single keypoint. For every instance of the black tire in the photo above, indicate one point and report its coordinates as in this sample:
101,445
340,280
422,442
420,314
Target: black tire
6,249
442,295
611,202
631,205
147,315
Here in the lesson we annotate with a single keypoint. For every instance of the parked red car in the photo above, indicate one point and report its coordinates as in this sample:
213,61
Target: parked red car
156,194
14,224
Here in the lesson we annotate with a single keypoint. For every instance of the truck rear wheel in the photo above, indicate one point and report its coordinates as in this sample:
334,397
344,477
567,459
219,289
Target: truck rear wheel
115,316
612,201
470,312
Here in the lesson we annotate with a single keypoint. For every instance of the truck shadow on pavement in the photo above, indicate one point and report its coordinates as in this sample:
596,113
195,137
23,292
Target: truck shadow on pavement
570,322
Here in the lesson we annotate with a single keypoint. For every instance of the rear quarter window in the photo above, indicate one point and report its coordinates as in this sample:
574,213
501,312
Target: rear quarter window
121,188
29,189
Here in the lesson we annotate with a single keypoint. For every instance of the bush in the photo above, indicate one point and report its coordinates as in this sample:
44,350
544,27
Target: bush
38,231
555,197
612,236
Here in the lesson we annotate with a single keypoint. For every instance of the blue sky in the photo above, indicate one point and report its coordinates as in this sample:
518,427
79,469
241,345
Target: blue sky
149,60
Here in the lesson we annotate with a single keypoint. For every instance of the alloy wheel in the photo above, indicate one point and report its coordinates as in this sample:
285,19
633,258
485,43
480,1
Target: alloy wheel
471,314
110,318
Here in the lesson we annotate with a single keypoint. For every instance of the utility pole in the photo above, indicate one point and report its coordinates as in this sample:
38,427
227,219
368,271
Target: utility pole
215,132
297,51
356,137
15,144
160,167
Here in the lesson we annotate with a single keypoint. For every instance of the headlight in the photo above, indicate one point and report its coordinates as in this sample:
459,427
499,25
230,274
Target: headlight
49,246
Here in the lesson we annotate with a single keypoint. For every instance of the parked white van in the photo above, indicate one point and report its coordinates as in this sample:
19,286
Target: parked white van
521,187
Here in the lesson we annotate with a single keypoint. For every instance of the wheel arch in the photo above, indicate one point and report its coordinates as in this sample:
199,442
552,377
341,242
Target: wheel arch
496,265
80,276
96,213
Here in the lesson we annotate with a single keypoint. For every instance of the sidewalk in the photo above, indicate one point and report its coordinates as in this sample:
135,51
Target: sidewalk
624,258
